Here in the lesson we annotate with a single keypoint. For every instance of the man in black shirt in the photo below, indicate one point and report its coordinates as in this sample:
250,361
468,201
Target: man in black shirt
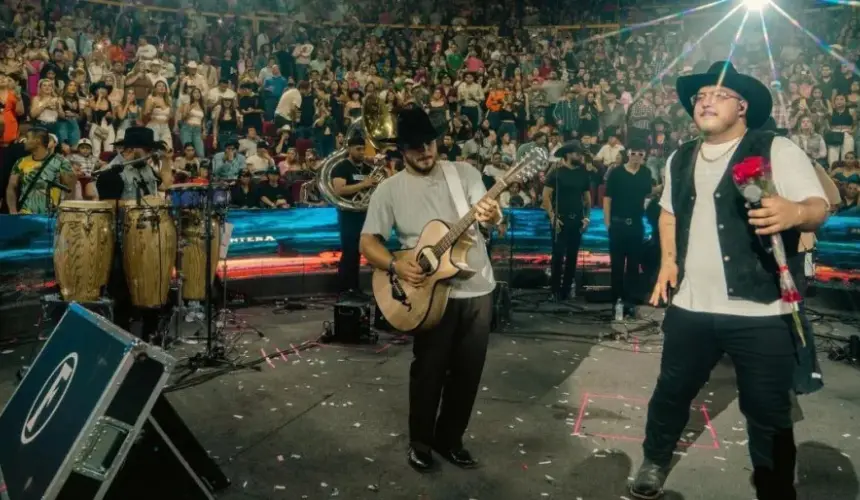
271,193
627,188
567,201
349,177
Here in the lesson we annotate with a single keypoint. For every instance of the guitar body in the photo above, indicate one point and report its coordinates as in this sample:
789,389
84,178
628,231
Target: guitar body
423,306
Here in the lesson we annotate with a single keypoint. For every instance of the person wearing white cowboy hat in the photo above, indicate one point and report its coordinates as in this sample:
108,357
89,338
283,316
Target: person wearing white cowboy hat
727,297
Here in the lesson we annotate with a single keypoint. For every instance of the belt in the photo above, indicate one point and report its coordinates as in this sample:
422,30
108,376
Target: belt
621,220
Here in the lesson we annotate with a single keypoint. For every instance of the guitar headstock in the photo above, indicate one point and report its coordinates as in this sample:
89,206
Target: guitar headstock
533,161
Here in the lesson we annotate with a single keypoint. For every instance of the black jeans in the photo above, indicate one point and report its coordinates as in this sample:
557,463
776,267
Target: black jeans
350,259
448,363
763,352
626,247
124,312
565,249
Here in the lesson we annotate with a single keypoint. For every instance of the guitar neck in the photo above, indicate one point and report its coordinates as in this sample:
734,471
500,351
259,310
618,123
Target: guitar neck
462,225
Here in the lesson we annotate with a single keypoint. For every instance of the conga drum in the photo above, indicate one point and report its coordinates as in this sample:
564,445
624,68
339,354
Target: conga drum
83,248
193,260
148,249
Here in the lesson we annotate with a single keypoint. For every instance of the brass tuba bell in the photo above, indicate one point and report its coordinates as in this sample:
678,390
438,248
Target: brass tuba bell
378,126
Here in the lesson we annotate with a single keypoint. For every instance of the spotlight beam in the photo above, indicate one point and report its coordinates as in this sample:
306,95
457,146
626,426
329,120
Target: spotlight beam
756,5
684,54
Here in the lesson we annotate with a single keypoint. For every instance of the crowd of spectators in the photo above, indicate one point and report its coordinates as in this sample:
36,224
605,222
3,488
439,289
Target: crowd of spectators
261,103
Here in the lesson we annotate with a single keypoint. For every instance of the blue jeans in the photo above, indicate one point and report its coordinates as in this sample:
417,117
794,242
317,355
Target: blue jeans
194,135
68,131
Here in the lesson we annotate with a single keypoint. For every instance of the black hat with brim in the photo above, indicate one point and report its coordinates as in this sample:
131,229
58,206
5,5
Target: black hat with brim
414,128
754,92
568,147
139,137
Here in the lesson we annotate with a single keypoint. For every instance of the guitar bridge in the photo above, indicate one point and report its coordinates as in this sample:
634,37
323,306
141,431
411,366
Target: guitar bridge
397,292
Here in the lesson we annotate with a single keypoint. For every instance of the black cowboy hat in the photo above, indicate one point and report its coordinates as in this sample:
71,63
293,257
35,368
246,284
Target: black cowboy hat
568,147
637,144
139,137
414,128
356,140
660,120
754,92
100,85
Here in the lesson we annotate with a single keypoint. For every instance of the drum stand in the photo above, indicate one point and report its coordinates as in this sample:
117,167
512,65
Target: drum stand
215,354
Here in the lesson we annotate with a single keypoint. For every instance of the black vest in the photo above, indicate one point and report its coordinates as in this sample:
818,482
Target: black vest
750,269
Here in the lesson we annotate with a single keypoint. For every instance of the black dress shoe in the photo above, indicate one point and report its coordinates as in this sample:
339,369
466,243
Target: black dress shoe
422,461
461,458
649,481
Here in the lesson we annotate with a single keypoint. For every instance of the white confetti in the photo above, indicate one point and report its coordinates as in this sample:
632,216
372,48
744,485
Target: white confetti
369,459
245,484
357,424
7,351
549,478
518,419
720,458
545,462
296,456
280,487
238,417
280,458
846,435
324,485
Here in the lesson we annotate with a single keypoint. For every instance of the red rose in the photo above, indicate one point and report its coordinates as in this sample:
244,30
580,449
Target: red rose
791,296
750,169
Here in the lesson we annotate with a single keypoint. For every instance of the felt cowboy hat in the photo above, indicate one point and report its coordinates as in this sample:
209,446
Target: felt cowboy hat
139,137
100,85
568,147
414,128
754,92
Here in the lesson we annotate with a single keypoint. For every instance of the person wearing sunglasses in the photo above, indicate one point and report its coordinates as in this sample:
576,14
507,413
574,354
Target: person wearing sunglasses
627,188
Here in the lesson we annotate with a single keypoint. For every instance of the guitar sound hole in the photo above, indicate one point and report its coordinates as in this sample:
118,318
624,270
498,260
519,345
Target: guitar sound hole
425,264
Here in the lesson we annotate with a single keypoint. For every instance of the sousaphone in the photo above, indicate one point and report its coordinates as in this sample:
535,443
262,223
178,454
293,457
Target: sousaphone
378,126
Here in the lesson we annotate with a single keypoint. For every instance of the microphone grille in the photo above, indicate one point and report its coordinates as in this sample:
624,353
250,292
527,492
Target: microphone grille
752,193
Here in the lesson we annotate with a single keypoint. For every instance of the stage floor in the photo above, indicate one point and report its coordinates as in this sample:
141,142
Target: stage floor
560,414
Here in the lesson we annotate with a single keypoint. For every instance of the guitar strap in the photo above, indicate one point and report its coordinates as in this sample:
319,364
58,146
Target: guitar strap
455,186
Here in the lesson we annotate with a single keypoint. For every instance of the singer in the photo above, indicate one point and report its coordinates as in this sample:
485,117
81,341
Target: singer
728,297
126,179
38,179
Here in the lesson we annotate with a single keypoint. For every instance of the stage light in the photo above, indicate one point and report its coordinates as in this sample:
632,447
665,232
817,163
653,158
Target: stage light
756,5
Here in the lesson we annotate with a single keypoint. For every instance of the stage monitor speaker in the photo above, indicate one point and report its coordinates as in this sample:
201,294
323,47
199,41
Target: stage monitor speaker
352,321
79,411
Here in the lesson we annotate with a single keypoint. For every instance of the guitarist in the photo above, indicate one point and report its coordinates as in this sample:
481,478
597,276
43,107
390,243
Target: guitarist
449,358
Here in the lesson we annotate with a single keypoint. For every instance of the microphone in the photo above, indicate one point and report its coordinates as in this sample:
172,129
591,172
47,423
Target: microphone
57,185
753,195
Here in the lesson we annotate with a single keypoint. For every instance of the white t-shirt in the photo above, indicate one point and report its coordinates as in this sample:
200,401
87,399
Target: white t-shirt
290,101
406,202
703,288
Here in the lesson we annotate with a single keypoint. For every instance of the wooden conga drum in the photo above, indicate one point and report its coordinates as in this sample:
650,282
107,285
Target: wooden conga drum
193,260
148,250
83,248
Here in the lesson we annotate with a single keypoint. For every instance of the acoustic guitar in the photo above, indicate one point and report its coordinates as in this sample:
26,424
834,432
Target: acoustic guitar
441,252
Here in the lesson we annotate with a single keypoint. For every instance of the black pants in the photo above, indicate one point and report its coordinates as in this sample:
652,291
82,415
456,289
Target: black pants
565,249
626,248
123,310
762,350
447,366
350,259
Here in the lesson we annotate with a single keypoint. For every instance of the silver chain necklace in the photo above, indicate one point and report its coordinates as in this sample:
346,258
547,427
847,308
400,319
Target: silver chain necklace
721,155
